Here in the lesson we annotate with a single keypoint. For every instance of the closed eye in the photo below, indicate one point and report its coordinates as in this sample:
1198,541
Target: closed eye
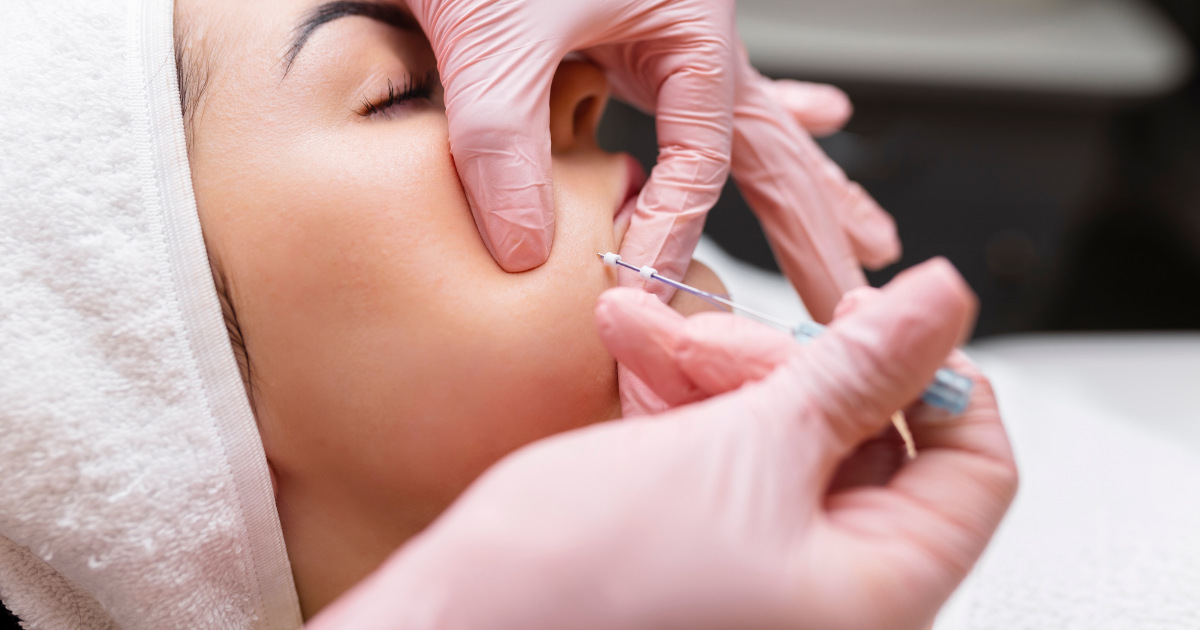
412,88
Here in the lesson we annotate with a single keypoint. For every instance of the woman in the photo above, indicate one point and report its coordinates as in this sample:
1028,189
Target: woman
389,359
387,371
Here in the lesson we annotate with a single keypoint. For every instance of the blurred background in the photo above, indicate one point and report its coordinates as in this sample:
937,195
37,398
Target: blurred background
1049,148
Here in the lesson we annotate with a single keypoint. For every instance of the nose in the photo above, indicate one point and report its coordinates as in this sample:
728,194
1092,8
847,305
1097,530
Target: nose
578,95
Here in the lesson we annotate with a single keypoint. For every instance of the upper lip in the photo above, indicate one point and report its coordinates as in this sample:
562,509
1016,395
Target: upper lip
635,179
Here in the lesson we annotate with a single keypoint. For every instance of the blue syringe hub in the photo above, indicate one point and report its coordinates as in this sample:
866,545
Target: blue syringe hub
949,390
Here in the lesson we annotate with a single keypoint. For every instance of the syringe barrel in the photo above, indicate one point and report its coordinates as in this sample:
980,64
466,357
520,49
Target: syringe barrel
949,390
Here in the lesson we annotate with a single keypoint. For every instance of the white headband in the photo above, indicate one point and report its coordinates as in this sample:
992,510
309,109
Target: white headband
134,491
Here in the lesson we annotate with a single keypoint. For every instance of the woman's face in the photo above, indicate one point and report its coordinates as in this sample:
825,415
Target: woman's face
390,357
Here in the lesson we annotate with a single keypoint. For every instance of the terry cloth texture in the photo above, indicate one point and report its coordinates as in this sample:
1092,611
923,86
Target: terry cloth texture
134,491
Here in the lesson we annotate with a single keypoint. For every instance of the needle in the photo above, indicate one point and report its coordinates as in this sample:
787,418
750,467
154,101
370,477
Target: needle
949,390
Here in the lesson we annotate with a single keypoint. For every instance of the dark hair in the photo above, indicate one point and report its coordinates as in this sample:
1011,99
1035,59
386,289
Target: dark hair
234,328
193,72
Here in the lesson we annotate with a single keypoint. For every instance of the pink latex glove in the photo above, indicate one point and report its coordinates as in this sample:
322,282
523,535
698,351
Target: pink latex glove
822,226
724,513
817,109
497,59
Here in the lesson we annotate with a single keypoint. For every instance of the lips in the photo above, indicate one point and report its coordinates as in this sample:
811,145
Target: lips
635,179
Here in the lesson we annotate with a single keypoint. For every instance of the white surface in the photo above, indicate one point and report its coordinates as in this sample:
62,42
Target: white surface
1105,532
1150,380
1076,47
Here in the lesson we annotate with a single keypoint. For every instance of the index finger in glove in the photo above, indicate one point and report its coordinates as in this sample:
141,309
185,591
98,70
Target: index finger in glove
640,332
819,108
684,360
820,224
721,352
694,120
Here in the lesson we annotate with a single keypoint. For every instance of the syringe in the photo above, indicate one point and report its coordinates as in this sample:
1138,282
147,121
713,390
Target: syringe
949,390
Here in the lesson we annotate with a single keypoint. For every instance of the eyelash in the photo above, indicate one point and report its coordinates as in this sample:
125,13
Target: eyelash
420,86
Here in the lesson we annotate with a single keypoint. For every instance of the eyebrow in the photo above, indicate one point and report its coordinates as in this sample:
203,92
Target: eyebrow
330,11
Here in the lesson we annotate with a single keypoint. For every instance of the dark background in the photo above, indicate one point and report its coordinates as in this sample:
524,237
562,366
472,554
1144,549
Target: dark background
1063,213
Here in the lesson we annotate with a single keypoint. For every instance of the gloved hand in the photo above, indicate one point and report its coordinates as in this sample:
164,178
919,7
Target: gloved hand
818,109
719,514
680,59
821,226
496,61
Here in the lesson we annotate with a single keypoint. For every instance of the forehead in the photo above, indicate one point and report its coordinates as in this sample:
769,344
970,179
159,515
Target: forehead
253,76
274,30
227,53
242,33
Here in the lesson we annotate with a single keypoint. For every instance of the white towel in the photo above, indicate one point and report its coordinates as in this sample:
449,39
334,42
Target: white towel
134,491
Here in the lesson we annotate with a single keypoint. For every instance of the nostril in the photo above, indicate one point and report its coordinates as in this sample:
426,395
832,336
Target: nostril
578,95
585,115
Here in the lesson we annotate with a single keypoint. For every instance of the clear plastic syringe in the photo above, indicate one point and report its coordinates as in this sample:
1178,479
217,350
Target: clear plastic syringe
949,390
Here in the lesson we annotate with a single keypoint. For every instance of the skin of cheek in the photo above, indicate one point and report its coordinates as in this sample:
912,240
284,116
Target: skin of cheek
393,359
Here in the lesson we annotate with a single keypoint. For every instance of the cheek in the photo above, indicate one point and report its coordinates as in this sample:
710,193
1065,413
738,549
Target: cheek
392,357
